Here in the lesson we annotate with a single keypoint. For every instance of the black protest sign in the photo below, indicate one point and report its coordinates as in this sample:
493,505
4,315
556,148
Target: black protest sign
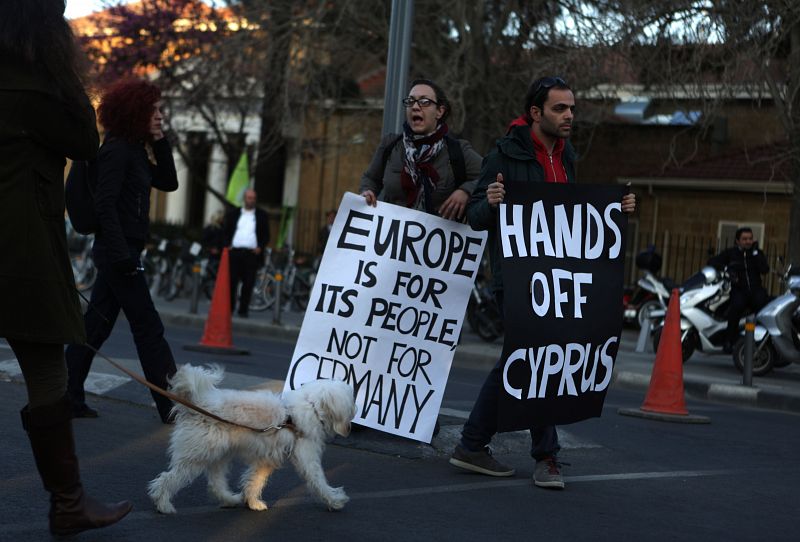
386,310
562,248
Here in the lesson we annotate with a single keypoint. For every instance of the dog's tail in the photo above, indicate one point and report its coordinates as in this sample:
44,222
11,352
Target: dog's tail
191,382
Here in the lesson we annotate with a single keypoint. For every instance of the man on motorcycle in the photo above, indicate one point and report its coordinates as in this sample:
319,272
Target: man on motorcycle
745,264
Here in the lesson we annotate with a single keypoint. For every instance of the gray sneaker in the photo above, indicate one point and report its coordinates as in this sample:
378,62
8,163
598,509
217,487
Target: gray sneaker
548,473
481,462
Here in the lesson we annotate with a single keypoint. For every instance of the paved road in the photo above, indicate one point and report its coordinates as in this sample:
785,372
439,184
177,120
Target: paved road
734,479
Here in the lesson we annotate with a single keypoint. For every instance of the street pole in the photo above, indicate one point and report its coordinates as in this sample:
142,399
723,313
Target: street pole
397,62
276,318
749,343
197,269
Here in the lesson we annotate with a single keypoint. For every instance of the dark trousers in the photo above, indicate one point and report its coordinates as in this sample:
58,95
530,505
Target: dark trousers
244,264
43,369
114,291
742,300
482,423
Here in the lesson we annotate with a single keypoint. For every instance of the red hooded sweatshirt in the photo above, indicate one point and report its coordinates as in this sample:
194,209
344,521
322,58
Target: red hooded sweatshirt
554,171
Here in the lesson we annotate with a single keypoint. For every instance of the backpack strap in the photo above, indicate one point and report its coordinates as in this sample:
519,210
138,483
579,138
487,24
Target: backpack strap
456,160
387,151
454,150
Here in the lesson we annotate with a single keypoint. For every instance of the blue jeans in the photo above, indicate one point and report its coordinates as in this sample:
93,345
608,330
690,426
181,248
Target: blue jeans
114,291
482,423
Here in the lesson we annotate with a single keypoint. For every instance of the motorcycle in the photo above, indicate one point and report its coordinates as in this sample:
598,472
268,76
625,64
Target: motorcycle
704,303
777,333
652,294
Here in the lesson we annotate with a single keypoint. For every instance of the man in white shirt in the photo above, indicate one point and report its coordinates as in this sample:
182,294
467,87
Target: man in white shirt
247,232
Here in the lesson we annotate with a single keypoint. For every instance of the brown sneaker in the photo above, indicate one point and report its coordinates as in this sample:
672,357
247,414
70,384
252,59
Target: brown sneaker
481,462
548,473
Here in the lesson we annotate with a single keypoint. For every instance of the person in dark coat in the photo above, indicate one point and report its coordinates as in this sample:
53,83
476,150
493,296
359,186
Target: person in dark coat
134,157
535,149
213,238
45,115
325,230
247,235
745,264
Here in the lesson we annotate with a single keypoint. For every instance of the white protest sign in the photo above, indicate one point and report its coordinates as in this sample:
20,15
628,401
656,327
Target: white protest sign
386,310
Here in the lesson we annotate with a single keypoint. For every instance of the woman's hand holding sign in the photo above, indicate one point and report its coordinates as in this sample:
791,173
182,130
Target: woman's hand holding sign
453,207
496,192
369,196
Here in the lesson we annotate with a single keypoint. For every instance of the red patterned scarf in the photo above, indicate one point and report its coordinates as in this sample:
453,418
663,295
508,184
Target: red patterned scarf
418,176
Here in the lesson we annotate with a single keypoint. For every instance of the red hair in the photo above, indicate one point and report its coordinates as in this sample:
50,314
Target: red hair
127,107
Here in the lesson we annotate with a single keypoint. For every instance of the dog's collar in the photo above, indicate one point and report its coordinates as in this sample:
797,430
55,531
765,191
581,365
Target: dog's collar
287,424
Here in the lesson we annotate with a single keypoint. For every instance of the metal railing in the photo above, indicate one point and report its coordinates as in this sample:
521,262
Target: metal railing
683,255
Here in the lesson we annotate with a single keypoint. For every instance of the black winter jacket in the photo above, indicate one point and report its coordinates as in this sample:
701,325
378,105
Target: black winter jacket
38,301
745,267
125,176
514,157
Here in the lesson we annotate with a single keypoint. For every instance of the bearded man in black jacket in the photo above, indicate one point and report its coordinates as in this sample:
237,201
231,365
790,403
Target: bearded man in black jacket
745,264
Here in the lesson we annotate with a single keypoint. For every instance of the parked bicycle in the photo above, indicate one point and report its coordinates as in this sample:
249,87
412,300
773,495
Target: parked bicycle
181,275
483,315
296,279
83,268
156,263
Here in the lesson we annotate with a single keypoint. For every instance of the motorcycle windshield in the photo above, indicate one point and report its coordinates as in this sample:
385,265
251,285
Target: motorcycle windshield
697,280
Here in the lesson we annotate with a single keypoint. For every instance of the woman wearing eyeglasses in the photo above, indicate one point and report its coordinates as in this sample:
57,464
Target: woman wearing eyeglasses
423,168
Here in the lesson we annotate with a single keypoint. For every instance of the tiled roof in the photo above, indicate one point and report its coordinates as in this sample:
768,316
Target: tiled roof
765,163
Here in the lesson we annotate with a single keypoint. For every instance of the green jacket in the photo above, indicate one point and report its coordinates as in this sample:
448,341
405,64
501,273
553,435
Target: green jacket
38,300
515,158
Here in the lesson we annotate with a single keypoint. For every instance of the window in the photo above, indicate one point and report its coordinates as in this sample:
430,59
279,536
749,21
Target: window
726,232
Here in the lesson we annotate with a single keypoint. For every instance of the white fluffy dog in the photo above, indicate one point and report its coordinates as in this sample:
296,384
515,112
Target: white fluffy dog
200,444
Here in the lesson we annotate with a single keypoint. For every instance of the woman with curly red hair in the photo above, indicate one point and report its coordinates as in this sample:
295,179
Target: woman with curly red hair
134,158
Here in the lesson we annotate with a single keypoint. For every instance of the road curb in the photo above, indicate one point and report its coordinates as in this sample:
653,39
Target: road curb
239,327
695,387
736,394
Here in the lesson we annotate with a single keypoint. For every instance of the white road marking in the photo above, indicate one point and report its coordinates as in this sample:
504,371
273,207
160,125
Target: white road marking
102,383
97,383
10,367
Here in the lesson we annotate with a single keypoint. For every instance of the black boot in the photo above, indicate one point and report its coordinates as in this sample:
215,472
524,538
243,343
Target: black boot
71,510
164,408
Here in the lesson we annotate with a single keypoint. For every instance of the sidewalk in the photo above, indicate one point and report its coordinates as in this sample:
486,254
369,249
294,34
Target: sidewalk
706,377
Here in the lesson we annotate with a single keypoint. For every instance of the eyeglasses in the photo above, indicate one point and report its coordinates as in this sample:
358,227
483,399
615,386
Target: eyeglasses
423,102
549,82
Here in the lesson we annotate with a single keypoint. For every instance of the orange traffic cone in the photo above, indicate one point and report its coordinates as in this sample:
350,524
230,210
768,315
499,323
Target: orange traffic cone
217,336
665,400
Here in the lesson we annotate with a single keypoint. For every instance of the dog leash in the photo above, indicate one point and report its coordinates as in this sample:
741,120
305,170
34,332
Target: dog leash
287,424
188,404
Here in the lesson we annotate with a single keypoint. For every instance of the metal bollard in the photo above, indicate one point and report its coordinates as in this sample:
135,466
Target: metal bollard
641,342
195,288
749,343
276,319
